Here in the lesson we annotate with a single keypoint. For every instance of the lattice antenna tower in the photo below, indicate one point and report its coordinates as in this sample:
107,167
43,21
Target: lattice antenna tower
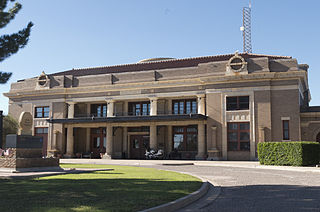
246,29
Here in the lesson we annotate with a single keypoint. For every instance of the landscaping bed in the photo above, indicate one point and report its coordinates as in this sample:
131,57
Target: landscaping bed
122,189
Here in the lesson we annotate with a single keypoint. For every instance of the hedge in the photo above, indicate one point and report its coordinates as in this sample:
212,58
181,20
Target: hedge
289,153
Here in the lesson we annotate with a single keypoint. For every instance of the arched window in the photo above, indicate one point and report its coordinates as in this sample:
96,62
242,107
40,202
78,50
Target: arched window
318,137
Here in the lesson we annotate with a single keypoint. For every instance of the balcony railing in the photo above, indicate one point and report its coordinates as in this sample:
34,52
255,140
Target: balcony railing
120,114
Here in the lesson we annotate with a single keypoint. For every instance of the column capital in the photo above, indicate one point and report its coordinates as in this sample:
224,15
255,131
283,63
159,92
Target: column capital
71,103
110,100
201,95
153,98
214,128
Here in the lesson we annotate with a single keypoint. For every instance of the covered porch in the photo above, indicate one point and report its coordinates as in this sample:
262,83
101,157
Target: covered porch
179,136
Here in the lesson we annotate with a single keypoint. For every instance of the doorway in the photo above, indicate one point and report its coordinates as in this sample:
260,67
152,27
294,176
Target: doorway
43,133
98,142
138,146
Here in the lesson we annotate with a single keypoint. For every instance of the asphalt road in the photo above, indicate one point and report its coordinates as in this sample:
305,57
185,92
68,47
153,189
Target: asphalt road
249,189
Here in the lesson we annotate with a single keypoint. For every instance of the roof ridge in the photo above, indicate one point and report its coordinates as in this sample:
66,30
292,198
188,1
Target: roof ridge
150,65
160,61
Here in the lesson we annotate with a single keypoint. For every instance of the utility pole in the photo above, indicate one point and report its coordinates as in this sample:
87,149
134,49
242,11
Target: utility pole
1,128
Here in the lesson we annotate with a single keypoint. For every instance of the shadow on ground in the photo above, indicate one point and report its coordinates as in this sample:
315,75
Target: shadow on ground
267,198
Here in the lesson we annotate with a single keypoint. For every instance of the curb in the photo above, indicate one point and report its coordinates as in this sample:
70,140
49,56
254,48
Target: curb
181,202
176,164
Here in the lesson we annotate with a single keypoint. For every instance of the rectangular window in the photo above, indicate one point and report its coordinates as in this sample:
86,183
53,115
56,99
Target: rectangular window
185,138
42,112
41,130
139,108
238,136
99,110
184,106
285,130
237,103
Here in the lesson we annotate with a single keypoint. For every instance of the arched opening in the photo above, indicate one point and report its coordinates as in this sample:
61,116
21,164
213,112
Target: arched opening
318,137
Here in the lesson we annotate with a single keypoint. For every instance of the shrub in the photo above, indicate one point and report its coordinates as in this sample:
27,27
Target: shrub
10,126
289,153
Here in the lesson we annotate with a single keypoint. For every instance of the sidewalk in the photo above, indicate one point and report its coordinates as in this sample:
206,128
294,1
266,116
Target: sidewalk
236,164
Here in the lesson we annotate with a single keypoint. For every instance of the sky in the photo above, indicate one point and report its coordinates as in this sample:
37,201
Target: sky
81,33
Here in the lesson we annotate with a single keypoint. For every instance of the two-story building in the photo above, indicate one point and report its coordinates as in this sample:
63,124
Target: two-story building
212,107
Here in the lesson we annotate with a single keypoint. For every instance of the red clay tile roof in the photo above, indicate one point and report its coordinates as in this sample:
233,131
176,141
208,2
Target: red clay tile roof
156,65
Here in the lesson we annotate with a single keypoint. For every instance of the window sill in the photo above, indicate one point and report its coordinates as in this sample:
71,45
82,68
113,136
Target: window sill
246,110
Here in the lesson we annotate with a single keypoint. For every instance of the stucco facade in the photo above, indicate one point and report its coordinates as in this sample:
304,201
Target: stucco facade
214,107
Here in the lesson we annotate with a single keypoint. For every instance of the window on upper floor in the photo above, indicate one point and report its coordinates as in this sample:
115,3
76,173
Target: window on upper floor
285,130
139,108
184,106
99,110
237,103
42,112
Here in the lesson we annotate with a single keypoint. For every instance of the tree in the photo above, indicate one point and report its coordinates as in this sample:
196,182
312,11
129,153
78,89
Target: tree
10,126
10,44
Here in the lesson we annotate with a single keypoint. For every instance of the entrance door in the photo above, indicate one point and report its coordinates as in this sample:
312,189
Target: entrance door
98,142
43,132
138,146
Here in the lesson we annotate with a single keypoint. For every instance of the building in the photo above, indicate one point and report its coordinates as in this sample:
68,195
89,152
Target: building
212,107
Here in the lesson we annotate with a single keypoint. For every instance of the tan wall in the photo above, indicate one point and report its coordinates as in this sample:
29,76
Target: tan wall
80,109
238,155
214,111
117,141
16,109
161,137
262,103
79,140
310,126
59,110
118,108
285,103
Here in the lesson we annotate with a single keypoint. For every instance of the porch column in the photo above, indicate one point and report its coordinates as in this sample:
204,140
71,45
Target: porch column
153,137
124,141
88,140
169,109
71,110
55,139
153,106
261,134
201,142
125,108
213,152
109,148
201,104
169,139
70,142
110,108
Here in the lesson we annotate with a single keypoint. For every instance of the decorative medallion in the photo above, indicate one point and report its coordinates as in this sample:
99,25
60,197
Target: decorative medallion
236,64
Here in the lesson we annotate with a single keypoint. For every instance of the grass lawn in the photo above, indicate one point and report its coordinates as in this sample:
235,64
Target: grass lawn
123,189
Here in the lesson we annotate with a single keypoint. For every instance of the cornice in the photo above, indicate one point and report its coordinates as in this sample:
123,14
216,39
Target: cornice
198,81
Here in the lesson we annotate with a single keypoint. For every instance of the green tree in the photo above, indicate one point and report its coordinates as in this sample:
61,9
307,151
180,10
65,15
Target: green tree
10,44
10,126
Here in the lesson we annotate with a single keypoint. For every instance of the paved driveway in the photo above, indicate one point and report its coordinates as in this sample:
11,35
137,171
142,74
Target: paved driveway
246,186
248,189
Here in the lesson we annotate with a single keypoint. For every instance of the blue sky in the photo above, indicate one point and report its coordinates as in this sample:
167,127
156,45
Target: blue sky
81,33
